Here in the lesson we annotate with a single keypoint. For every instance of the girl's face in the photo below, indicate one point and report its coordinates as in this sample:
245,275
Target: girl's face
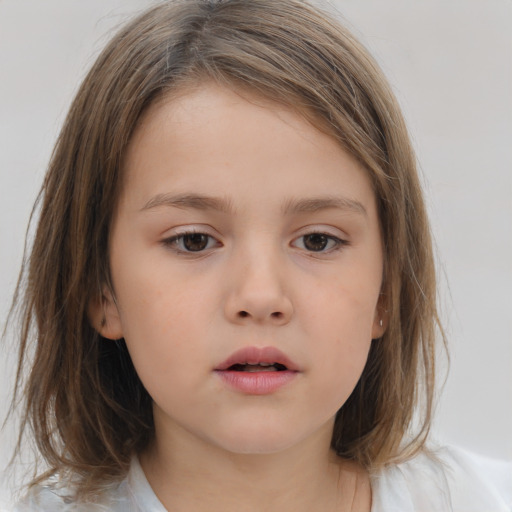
241,227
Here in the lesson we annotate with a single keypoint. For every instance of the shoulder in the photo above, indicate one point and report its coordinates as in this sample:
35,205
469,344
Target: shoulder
479,479
56,498
447,479
133,494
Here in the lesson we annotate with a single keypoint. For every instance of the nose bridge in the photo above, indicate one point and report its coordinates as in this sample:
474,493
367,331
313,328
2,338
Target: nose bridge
258,288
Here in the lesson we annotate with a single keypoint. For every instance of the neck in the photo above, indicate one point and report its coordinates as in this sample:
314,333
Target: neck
187,475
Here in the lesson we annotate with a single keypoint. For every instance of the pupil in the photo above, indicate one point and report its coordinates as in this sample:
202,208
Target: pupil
315,242
195,242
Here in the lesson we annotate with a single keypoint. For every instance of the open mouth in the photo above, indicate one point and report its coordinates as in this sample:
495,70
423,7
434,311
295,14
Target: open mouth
257,359
259,367
257,370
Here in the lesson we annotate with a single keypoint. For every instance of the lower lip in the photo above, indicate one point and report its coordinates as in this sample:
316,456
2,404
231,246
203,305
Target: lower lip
257,383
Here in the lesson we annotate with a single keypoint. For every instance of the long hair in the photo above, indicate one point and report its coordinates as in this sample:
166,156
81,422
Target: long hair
86,407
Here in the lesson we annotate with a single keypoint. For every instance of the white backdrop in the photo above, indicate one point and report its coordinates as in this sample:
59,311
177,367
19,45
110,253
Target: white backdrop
451,67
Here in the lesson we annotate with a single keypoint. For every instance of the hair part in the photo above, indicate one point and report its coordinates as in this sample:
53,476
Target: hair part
84,403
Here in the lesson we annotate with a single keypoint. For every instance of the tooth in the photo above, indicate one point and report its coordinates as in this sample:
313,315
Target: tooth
254,369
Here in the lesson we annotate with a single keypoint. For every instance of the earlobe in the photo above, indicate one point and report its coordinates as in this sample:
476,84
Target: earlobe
104,316
379,325
380,320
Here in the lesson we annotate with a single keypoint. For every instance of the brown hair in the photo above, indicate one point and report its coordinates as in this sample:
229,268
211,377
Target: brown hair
88,410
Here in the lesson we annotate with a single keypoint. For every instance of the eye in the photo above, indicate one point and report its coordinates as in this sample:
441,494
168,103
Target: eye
191,242
319,242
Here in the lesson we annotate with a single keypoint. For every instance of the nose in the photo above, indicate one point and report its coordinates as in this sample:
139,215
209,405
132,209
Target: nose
258,291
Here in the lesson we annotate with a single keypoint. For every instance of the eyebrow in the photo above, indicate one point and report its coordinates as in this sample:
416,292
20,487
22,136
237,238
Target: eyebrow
291,206
316,204
194,201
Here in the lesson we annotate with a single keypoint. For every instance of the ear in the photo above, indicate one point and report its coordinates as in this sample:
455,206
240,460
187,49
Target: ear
104,316
380,320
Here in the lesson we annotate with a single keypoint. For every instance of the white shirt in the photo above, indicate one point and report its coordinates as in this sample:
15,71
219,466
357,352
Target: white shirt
447,480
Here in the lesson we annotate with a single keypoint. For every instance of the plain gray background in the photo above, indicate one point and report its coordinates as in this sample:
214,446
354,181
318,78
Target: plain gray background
450,65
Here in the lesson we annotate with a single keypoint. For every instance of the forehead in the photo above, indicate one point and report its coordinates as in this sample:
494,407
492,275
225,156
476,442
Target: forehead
214,137
196,97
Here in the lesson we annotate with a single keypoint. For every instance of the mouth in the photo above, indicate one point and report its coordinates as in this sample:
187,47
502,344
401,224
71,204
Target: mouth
256,359
257,367
257,371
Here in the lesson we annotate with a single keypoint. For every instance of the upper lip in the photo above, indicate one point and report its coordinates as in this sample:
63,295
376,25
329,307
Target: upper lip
256,355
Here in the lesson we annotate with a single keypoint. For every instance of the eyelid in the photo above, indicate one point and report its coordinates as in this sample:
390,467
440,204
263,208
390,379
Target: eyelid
170,242
190,229
340,240
323,229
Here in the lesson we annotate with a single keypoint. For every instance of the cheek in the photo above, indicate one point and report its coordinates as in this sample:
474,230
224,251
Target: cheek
161,319
345,309
340,320
155,295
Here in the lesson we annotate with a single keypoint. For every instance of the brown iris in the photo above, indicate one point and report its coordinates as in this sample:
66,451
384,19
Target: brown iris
195,242
315,242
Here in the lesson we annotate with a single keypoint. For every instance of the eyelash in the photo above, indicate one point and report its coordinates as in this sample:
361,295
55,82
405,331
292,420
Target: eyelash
173,242
338,242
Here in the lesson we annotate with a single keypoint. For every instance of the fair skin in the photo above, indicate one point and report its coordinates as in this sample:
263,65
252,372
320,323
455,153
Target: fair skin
287,253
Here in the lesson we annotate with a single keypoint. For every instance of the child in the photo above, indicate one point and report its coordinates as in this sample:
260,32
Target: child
232,281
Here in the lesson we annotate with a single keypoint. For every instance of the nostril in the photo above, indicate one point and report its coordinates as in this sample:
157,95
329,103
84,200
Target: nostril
277,315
